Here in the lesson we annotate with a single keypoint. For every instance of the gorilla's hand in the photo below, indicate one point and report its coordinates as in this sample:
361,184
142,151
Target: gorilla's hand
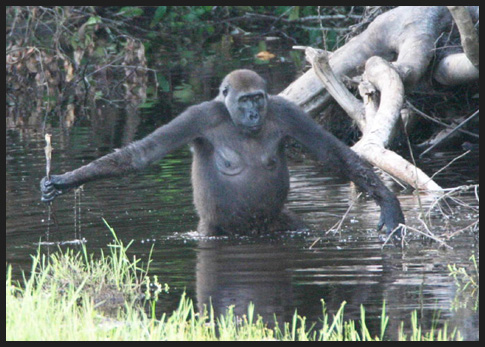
51,187
391,217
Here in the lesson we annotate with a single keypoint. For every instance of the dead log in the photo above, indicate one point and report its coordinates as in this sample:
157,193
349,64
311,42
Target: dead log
334,86
377,122
455,69
405,36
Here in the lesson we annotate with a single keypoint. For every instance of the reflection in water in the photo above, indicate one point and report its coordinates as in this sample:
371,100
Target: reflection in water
281,275
278,273
231,274
280,278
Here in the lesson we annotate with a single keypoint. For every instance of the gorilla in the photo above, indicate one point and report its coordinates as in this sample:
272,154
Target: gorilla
239,173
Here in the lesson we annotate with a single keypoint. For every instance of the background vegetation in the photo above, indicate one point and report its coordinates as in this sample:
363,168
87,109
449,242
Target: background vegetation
62,57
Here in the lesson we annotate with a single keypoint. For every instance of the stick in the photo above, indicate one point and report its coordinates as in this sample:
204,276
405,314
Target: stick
338,225
48,155
450,133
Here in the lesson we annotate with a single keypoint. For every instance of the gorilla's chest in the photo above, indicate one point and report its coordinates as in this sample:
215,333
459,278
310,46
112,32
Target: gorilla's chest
232,156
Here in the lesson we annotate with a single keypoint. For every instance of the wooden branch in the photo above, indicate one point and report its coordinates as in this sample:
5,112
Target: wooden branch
468,33
406,30
395,165
455,69
369,94
457,128
48,155
350,104
380,128
386,79
460,68
378,124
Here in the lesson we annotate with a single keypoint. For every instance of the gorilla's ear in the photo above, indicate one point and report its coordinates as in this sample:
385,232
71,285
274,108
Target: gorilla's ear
225,90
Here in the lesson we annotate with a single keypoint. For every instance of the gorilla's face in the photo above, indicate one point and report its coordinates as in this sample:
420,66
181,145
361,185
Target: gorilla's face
248,110
244,94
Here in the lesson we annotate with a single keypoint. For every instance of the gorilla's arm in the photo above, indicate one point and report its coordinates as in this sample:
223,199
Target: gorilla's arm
329,149
136,156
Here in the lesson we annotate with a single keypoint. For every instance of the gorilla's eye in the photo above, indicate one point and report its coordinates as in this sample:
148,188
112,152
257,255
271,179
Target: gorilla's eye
243,99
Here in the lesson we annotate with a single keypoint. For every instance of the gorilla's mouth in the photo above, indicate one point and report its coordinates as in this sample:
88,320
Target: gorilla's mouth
255,128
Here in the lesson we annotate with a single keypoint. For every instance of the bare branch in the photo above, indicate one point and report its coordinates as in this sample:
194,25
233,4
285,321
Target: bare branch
350,104
378,123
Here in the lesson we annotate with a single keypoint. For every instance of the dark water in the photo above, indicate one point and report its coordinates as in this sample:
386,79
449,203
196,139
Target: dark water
278,273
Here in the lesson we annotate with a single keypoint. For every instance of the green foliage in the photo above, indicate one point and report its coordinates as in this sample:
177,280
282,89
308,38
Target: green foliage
187,18
131,11
294,13
158,16
66,49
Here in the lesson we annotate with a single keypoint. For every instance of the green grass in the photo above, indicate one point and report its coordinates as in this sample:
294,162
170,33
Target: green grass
467,280
73,296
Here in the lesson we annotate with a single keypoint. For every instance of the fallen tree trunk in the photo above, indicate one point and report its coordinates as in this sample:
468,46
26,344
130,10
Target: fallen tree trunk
407,32
377,122
407,37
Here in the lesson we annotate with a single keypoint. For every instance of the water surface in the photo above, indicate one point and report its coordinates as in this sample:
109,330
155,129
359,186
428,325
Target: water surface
278,273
